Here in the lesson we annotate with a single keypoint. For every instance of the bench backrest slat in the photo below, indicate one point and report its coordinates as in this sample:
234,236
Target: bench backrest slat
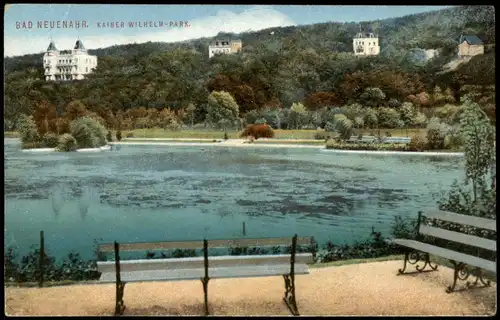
198,262
262,242
459,237
462,219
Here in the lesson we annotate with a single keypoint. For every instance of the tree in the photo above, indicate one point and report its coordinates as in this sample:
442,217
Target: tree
190,110
222,109
371,118
372,97
436,134
28,129
388,118
297,115
88,132
480,167
479,140
75,109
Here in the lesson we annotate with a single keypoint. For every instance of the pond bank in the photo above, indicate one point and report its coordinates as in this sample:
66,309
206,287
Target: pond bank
241,143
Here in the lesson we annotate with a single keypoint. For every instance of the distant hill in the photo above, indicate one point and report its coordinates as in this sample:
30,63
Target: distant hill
277,67
430,30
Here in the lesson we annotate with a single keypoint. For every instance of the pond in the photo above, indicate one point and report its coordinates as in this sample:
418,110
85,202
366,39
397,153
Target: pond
166,193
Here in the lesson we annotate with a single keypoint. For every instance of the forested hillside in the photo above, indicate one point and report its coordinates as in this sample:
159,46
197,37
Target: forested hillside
311,64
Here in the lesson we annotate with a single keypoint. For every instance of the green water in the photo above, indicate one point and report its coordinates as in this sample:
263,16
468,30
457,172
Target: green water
162,193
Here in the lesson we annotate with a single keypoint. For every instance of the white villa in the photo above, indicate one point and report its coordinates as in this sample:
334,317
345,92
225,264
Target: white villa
68,65
224,47
366,44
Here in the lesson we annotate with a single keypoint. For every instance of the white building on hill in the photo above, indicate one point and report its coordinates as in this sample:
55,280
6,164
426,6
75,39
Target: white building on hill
67,64
366,44
224,47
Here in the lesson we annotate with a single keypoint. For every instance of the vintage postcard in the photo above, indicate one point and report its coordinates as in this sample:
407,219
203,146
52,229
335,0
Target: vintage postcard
249,160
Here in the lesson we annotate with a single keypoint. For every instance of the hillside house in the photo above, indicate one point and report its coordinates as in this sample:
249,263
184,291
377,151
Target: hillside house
68,65
366,44
469,46
224,47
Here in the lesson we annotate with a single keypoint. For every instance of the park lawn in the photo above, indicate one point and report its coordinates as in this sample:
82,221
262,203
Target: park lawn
278,134
10,134
233,134
294,142
179,140
418,132
213,134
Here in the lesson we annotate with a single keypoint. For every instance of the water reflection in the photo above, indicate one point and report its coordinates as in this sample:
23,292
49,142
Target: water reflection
57,197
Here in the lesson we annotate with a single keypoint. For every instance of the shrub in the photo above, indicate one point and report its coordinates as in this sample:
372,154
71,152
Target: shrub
129,135
388,118
417,143
454,139
174,125
50,140
66,143
32,145
88,132
109,137
260,121
345,128
370,118
320,134
436,133
27,129
118,135
225,136
258,131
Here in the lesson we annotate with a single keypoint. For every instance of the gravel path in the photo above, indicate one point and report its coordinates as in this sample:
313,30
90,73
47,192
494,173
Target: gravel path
362,289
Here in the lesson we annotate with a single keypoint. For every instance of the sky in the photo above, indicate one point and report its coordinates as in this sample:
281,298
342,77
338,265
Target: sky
22,35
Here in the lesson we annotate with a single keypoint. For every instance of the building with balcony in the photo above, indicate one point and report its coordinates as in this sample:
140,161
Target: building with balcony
224,47
68,65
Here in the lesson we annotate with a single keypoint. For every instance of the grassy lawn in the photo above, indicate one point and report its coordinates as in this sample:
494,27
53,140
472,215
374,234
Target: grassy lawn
166,141
10,134
421,132
233,134
213,134
283,141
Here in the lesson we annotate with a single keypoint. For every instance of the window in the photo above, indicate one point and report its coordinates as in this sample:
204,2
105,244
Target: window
86,69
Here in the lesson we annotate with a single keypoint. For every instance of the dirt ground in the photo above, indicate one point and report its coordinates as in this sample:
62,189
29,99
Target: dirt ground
361,289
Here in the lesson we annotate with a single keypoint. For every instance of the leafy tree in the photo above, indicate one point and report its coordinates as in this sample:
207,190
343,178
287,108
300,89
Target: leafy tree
28,129
479,141
67,143
222,109
372,96
388,118
297,115
50,140
370,118
407,113
88,132
190,110
344,127
436,134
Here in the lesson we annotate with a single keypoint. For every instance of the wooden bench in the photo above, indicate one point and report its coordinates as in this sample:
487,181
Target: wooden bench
217,267
400,140
417,250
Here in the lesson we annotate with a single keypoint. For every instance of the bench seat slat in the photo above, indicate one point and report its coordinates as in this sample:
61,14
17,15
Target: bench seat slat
198,273
138,246
198,262
459,237
477,222
448,254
